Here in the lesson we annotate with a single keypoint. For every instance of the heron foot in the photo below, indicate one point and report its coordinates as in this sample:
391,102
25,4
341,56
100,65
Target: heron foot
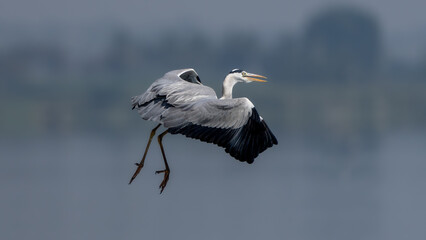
165,179
140,166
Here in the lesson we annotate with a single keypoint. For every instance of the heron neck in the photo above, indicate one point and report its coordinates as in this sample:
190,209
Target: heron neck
227,86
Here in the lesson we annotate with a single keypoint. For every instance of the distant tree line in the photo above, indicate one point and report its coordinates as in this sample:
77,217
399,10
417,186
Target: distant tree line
339,45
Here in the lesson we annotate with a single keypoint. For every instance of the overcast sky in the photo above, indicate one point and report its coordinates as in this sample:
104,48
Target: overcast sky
267,16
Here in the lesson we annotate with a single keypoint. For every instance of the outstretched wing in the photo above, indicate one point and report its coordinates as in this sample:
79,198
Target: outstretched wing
178,87
233,124
192,109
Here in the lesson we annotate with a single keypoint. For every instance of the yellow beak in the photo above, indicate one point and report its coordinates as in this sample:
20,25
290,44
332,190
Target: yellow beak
255,77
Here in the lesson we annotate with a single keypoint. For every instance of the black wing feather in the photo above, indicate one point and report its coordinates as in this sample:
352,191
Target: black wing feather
244,143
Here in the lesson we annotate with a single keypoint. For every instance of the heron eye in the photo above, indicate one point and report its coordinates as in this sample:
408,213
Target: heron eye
244,74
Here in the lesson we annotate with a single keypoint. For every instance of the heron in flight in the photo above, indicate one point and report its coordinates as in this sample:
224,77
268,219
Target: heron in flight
183,105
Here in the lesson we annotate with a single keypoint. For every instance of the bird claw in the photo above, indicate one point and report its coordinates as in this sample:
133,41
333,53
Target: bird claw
140,165
165,179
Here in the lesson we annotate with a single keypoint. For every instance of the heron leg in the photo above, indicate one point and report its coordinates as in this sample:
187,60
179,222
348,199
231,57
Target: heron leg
140,165
166,171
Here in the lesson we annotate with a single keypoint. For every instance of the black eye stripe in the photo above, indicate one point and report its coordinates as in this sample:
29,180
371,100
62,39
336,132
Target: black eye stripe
236,71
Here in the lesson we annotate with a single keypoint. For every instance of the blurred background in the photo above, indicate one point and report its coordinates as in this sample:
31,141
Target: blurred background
346,99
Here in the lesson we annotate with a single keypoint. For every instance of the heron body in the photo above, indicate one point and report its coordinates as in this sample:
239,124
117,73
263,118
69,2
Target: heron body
183,105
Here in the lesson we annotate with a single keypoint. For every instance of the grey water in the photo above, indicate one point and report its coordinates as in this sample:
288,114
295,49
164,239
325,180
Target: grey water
76,187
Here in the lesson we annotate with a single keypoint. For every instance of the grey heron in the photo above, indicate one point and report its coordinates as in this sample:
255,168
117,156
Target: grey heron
183,105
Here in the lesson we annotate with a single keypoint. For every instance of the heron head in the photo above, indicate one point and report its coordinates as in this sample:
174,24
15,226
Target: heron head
243,76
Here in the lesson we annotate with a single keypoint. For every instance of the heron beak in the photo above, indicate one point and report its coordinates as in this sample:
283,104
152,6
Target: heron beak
255,77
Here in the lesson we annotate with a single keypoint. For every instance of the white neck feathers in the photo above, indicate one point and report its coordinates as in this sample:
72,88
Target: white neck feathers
227,86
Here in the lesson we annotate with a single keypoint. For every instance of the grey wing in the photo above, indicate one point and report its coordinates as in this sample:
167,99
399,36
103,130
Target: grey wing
170,91
233,124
